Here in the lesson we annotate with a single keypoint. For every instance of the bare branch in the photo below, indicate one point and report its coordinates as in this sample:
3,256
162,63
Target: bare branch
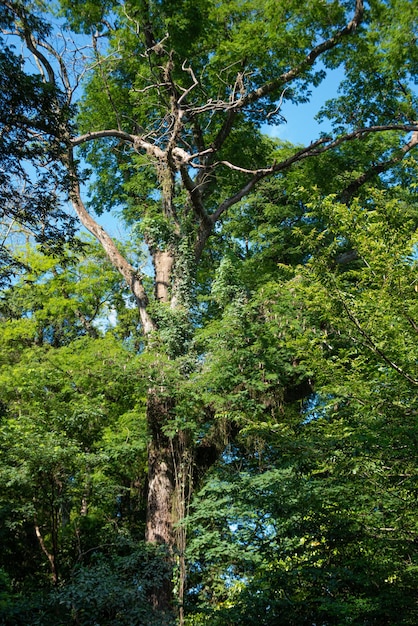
129,273
239,99
180,155
32,43
279,106
318,147
194,84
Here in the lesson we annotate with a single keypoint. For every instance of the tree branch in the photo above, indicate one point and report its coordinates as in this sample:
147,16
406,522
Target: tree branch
355,185
373,346
194,195
48,554
307,62
180,155
244,191
312,150
128,272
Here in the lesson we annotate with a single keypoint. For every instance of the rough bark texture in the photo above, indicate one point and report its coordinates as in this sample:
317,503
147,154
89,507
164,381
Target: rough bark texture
163,264
159,527
161,487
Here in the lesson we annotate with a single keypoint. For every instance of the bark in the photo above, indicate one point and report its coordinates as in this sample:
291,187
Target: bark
131,276
50,556
161,488
170,461
163,264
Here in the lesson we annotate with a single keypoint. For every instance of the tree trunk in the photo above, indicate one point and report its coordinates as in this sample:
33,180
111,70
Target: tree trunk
51,556
161,488
159,527
163,264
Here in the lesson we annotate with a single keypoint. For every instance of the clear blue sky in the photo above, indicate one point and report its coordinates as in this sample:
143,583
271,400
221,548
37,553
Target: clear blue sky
301,126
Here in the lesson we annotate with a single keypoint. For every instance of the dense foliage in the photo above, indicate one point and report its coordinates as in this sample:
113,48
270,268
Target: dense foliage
237,384
29,195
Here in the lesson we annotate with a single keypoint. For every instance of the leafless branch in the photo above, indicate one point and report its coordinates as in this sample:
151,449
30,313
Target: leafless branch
129,273
279,106
69,89
194,84
182,158
41,59
318,147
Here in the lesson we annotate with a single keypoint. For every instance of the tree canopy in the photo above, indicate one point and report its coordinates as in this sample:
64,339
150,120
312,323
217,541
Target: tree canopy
31,177
212,421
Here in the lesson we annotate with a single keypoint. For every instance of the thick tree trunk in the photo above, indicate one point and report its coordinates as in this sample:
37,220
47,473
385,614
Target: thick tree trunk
159,527
161,489
163,264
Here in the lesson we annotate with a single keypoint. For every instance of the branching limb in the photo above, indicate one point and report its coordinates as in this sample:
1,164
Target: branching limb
195,196
244,191
40,57
240,99
129,273
137,142
351,189
318,147
372,345
307,62
279,106
194,84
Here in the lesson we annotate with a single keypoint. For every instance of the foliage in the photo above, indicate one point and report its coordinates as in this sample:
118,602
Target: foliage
238,383
73,446
120,578
310,516
29,128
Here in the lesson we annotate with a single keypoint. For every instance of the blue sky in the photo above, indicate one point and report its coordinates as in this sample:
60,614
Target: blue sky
300,128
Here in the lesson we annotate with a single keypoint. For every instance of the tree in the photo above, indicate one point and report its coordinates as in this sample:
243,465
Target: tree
309,517
73,447
170,120
31,179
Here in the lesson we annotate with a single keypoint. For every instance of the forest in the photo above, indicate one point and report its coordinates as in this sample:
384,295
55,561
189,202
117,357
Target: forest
208,333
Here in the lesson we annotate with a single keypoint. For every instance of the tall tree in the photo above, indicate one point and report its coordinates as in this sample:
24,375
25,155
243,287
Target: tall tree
171,117
73,442
310,516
